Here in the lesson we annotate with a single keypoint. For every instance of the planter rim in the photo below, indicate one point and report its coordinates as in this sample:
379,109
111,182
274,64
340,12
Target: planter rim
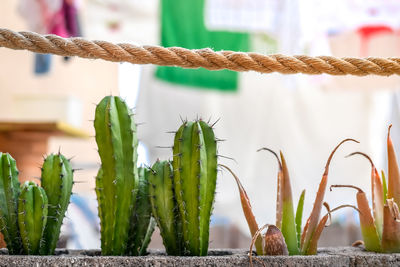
332,256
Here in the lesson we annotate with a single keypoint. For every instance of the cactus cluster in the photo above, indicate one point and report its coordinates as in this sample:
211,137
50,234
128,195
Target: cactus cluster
122,193
182,192
31,216
286,236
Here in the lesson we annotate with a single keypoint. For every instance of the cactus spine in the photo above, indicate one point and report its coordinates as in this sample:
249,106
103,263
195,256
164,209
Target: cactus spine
195,175
164,206
57,181
125,225
9,191
32,216
143,223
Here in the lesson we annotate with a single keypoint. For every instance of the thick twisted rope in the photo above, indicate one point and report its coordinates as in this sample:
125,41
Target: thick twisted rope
205,58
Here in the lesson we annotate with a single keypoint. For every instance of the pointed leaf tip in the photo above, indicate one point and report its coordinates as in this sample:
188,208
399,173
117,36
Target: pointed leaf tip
333,152
362,154
274,153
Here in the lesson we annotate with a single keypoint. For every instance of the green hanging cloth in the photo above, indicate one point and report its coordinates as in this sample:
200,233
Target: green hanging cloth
182,24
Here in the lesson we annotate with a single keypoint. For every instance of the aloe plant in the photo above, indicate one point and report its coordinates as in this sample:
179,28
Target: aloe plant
31,216
125,222
182,193
381,227
297,241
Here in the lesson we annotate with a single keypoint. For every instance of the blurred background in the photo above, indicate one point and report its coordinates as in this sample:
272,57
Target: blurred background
47,102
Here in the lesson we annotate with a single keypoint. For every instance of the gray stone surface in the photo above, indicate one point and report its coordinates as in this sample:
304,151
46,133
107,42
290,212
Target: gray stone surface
338,256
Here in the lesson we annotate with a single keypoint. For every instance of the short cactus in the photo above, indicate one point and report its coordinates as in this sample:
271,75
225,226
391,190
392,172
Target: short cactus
32,216
195,175
117,183
182,195
143,223
57,181
9,192
165,208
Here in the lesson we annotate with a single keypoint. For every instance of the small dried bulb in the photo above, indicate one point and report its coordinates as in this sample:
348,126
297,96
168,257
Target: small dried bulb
274,242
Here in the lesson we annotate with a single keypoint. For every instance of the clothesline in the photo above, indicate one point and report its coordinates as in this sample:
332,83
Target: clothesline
205,58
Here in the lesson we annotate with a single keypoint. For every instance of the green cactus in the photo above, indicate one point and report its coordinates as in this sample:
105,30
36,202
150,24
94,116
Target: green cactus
9,191
143,223
126,227
164,206
195,175
32,216
57,181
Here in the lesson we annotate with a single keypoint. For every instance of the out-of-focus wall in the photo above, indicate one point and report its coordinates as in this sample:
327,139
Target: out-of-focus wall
86,80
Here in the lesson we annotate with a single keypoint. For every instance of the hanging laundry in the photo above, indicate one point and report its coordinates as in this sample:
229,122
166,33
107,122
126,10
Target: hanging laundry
71,18
58,17
42,63
182,24
242,15
69,23
39,13
65,21
368,31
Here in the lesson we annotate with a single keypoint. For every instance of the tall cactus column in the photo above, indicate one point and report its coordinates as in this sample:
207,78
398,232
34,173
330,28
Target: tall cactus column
195,175
117,182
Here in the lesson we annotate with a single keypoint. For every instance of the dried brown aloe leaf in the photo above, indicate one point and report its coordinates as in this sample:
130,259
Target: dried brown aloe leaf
247,211
253,240
312,221
279,193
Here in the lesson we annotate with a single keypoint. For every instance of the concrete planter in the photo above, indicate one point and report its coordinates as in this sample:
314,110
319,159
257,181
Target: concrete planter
340,256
